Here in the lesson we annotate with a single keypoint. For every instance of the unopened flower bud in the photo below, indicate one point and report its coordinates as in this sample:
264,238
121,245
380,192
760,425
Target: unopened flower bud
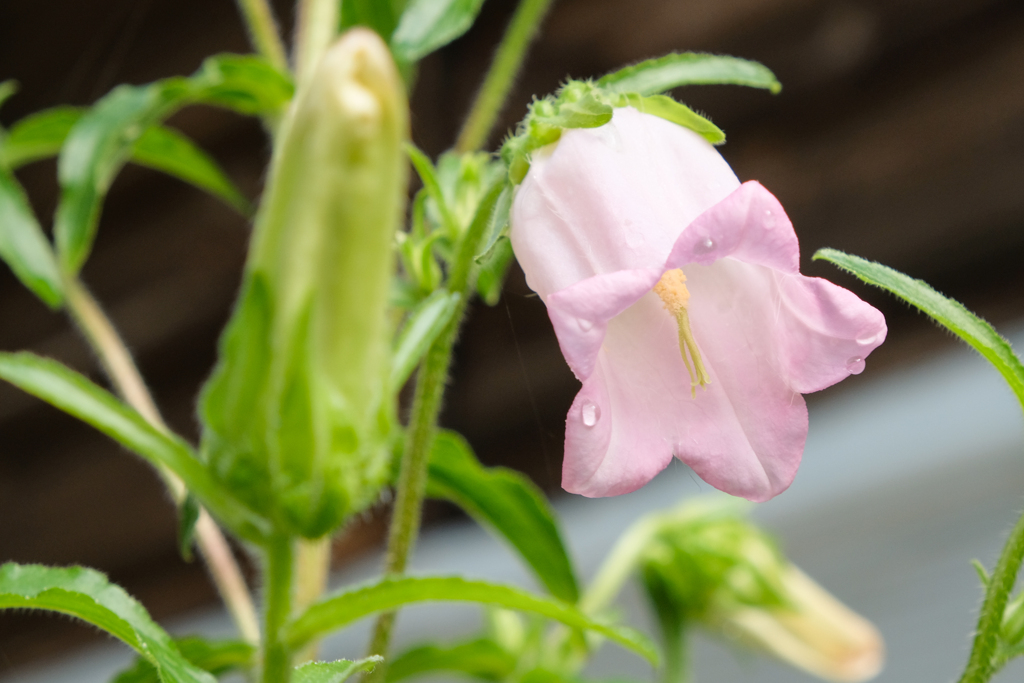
298,414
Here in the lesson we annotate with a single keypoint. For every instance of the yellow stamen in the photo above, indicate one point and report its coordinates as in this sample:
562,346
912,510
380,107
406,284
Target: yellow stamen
674,294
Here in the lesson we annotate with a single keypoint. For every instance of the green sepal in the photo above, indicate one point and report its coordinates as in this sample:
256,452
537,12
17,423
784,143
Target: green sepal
217,657
481,658
949,313
666,108
498,226
333,672
586,104
655,76
425,323
24,246
88,595
507,502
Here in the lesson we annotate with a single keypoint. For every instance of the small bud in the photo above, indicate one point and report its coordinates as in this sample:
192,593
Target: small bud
297,413
719,570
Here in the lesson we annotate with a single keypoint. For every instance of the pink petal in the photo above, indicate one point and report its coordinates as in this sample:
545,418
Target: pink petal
612,198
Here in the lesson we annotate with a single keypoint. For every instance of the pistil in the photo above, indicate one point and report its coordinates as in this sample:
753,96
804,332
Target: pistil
675,296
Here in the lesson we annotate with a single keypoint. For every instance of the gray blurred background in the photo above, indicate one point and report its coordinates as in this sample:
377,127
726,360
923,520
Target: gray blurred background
899,136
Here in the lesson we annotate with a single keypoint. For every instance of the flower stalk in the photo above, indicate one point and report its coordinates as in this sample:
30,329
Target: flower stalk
508,60
120,368
259,20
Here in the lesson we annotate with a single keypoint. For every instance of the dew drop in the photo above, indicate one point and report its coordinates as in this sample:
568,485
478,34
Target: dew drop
855,365
585,325
590,414
767,212
704,246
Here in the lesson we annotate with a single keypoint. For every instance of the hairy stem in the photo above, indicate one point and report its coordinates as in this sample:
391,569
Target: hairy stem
312,565
259,20
120,368
277,600
981,665
506,65
430,385
316,25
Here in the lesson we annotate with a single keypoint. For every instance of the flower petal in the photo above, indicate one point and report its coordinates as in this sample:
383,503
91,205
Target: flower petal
612,198
580,313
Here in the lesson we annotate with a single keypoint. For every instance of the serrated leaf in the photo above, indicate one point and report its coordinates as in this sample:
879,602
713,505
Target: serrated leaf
69,391
342,608
215,656
427,25
38,136
96,148
689,68
951,314
167,150
425,323
507,502
23,245
333,672
482,658
247,84
87,595
665,107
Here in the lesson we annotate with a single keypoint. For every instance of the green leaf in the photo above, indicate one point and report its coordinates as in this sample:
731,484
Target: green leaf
427,25
491,278
38,136
87,595
689,68
508,502
333,672
95,150
74,394
481,658
7,88
665,107
169,151
498,226
949,313
428,174
379,15
215,656
425,323
342,608
23,245
188,515
246,84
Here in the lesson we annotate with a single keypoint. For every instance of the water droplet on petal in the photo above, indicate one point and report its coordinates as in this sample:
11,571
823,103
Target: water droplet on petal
704,246
855,365
767,212
590,414
585,325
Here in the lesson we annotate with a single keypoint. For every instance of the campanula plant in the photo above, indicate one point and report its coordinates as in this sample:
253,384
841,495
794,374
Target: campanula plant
673,288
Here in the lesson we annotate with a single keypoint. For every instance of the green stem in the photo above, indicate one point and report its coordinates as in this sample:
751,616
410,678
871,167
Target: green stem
312,565
981,665
277,599
120,368
504,69
316,25
263,33
430,385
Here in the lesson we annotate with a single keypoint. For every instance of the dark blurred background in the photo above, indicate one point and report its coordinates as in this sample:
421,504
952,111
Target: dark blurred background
899,136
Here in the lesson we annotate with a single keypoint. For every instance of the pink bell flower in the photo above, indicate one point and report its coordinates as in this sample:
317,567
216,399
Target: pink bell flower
677,300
